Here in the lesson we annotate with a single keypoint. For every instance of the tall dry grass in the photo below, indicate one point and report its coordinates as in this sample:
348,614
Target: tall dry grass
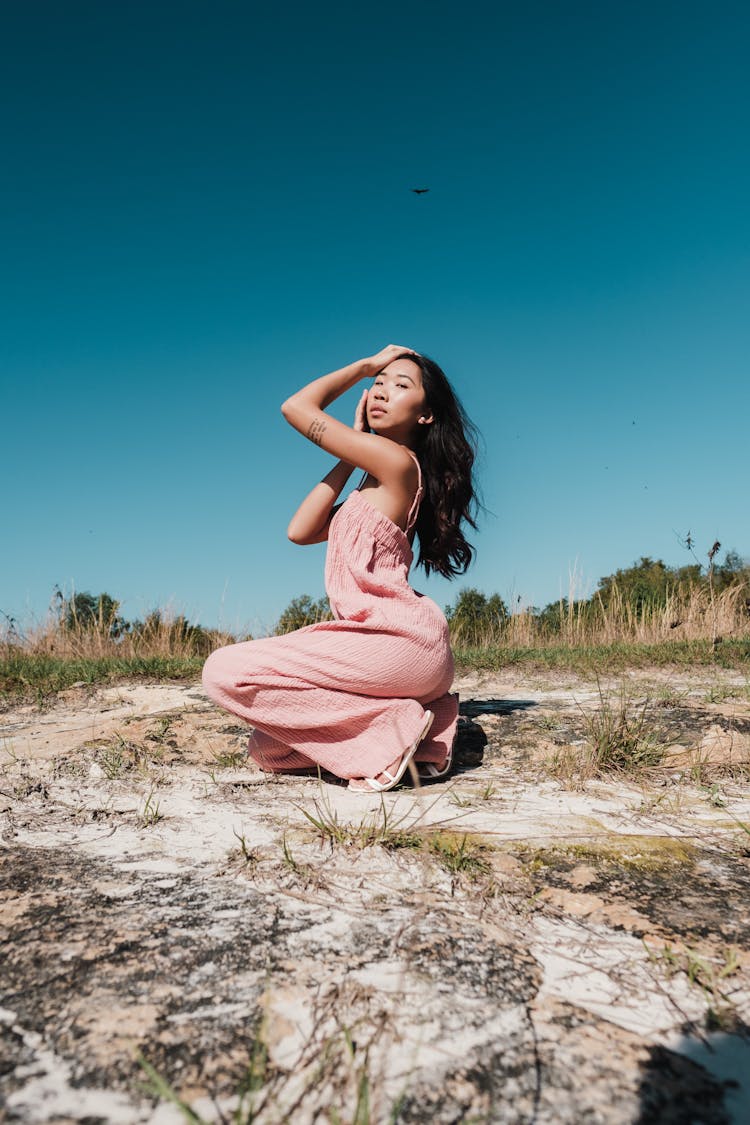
167,635
38,662
690,613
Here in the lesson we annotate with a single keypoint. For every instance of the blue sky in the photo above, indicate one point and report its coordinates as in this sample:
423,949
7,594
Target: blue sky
206,205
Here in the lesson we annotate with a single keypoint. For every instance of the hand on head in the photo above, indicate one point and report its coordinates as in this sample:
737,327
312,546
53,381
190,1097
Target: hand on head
387,355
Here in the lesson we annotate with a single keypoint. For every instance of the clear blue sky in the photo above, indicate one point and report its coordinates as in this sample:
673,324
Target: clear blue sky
205,205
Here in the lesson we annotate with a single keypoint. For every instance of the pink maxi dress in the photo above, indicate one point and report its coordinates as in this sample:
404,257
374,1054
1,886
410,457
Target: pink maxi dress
348,695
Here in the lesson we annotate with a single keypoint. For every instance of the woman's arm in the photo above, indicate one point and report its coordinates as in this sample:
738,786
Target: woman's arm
386,460
310,522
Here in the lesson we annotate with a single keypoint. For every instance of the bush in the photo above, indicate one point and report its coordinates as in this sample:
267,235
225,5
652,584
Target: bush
476,619
90,613
173,634
303,611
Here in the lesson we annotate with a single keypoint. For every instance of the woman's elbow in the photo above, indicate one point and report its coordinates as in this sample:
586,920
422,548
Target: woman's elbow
302,538
294,535
288,407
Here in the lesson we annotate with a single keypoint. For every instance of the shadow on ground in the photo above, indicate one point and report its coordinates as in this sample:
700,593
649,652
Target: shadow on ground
473,707
472,739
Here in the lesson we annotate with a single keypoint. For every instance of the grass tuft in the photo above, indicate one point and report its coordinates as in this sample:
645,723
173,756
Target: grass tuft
620,737
459,854
380,828
150,814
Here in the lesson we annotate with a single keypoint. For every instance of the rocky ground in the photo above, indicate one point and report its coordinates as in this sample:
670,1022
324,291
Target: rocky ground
532,940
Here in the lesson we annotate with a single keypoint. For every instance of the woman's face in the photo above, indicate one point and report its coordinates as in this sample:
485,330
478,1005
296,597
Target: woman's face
396,402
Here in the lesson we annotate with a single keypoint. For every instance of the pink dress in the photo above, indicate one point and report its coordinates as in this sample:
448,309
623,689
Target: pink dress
348,695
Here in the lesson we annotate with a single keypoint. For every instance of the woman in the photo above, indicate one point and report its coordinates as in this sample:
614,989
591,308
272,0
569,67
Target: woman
360,696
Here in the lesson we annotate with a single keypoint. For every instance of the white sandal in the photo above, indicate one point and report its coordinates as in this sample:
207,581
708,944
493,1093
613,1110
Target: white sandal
373,785
430,771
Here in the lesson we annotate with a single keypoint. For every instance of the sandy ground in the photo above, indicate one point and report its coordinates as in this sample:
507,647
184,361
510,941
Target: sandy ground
513,944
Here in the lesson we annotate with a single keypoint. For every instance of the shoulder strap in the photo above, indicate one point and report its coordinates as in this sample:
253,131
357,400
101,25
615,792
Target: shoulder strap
413,511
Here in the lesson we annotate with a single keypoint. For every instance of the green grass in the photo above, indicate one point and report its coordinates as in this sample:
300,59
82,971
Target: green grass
36,678
25,677
607,658
151,813
459,854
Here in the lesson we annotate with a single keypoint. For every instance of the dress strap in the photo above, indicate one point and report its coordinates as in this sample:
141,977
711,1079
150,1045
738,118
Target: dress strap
414,510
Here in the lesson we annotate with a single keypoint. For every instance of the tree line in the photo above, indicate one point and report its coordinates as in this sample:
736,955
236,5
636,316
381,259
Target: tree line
474,615
646,585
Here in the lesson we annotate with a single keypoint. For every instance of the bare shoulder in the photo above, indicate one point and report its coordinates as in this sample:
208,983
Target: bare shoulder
393,492
398,465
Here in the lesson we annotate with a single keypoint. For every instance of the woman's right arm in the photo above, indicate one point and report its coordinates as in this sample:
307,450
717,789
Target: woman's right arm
310,522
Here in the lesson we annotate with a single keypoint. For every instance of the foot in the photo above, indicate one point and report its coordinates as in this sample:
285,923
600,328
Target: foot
391,776
382,782
433,771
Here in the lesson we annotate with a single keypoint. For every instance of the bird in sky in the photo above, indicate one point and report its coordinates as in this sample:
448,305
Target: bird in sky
420,190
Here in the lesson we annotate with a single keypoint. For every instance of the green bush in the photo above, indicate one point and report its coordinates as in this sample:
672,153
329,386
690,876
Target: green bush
303,611
476,619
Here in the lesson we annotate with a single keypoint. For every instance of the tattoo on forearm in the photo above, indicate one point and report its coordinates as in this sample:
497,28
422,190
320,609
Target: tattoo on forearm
316,431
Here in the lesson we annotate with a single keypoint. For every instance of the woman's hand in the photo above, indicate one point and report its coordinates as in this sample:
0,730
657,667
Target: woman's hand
360,415
387,355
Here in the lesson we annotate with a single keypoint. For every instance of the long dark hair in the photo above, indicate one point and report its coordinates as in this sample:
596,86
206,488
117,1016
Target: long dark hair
446,449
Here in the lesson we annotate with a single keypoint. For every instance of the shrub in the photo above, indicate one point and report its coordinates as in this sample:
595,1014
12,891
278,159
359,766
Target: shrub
303,611
475,619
